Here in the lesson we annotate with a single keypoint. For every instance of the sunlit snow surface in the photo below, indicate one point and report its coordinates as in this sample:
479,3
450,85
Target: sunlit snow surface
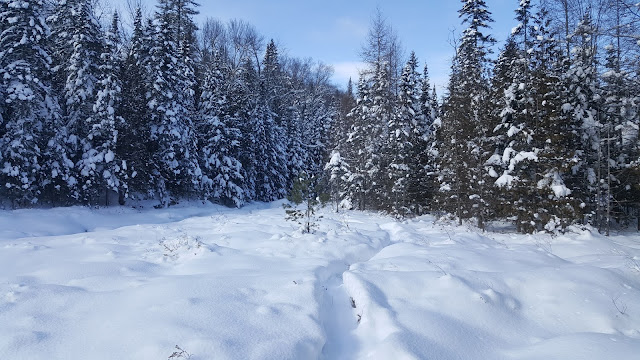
121,283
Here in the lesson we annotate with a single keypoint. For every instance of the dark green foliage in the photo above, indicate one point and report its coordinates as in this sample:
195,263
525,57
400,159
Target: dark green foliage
307,194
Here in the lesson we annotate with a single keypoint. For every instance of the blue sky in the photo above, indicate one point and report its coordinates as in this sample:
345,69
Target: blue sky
333,31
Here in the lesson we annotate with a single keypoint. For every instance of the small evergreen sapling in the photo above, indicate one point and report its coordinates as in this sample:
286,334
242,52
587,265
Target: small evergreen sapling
306,191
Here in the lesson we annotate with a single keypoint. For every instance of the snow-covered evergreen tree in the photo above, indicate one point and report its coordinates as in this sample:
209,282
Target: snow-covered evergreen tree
102,167
223,179
177,173
77,43
134,140
378,117
272,179
518,150
338,172
580,112
28,105
242,99
357,140
462,175
400,148
619,140
557,134
81,70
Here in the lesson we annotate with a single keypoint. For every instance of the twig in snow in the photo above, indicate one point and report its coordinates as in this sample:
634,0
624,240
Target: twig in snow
180,353
620,305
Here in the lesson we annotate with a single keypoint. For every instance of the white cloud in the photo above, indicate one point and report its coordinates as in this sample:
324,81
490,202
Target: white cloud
345,70
351,26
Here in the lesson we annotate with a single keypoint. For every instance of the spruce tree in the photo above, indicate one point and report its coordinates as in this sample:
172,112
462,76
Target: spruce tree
423,159
356,153
402,145
272,181
134,140
378,117
102,167
242,98
28,105
580,112
464,145
619,139
81,70
518,150
223,178
558,135
177,173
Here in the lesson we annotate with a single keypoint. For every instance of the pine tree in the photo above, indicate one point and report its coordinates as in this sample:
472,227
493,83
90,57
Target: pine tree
356,151
462,173
223,177
177,173
134,140
402,151
581,116
518,150
338,172
101,166
378,117
81,71
306,191
272,181
558,137
28,106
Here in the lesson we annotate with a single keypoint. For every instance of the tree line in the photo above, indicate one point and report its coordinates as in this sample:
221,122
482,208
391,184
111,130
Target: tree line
167,112
545,136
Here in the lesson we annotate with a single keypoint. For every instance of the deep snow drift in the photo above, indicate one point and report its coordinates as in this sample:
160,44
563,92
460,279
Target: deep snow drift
122,283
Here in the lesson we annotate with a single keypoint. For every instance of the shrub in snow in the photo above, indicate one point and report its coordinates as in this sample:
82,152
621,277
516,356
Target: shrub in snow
180,353
184,245
307,192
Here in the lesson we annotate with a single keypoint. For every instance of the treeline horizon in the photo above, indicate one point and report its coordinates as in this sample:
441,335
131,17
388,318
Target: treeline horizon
170,112
545,136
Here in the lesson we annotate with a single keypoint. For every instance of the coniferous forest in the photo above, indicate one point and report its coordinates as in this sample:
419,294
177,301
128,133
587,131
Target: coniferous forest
542,132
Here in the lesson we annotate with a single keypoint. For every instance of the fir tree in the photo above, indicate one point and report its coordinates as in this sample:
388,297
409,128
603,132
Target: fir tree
28,105
580,114
557,136
518,150
134,143
338,172
81,70
101,166
404,159
273,177
378,117
462,172
619,139
177,172
223,177
356,152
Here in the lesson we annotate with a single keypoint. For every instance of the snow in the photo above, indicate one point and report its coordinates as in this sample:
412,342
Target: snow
335,160
119,282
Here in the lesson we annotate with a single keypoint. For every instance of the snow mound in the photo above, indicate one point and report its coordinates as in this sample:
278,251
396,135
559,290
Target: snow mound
245,284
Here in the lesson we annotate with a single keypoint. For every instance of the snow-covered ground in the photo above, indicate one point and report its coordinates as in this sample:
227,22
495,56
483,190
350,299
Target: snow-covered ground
121,283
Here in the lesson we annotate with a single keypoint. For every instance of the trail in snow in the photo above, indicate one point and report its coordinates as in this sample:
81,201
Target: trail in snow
337,317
